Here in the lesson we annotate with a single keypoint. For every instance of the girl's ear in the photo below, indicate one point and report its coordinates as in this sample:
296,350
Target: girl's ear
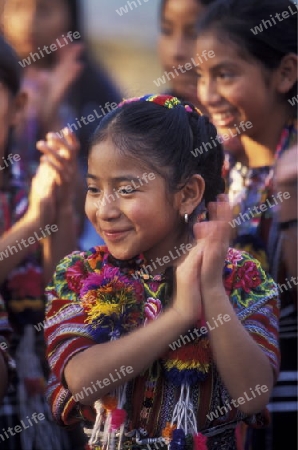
18,109
191,194
287,73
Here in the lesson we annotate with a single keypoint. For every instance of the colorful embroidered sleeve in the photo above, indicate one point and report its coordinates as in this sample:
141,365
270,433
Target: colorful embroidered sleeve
66,331
254,296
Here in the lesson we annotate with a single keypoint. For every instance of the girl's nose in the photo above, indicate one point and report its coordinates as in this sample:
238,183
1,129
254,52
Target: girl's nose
107,207
178,50
207,93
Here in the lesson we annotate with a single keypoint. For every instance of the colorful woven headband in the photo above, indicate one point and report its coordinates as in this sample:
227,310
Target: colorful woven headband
168,101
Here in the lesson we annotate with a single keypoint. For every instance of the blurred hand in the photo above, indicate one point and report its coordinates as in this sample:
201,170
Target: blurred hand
46,88
60,153
42,197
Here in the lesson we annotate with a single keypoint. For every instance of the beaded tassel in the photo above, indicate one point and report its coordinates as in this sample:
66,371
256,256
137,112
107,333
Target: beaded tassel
178,440
185,420
97,426
118,417
200,442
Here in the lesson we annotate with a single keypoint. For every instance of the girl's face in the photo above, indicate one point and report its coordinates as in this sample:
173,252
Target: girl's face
177,44
129,206
29,24
234,90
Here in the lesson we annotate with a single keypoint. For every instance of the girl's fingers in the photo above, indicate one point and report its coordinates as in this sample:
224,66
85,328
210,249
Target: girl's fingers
221,209
66,143
63,175
212,210
50,152
60,144
71,139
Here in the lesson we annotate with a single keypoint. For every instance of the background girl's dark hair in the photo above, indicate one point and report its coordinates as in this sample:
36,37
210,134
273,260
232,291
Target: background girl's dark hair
163,139
11,77
201,2
238,19
10,69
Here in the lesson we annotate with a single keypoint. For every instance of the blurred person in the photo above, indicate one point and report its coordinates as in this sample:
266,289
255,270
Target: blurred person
37,228
65,86
177,44
177,47
251,83
68,76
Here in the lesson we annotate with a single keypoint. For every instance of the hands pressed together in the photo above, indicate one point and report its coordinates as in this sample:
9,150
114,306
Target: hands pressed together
200,272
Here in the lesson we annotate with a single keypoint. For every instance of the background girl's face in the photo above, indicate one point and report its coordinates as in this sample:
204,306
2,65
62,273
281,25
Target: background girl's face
177,43
128,205
29,24
234,89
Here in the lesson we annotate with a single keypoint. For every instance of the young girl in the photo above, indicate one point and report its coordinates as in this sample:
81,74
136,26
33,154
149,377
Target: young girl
65,83
177,48
65,87
37,228
151,338
177,44
250,88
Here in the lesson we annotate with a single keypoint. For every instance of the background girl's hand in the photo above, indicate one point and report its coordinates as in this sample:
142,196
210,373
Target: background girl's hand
42,197
60,152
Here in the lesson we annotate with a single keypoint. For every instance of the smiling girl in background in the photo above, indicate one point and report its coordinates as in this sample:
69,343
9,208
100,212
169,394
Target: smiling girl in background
253,77
177,51
105,323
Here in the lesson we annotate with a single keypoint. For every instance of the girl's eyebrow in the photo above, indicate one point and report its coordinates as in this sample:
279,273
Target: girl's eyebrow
129,178
223,65
220,65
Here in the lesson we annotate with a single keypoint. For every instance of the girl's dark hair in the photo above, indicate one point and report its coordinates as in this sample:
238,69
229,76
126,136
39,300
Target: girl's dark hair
11,77
201,2
10,69
254,26
169,141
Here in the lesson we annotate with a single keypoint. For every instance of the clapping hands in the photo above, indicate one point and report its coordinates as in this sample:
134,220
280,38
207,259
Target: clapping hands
200,272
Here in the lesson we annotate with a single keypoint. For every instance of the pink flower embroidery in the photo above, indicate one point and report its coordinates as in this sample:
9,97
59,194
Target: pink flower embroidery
153,308
75,275
234,256
248,276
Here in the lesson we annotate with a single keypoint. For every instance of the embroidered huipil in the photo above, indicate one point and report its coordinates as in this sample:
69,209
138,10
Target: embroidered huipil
94,298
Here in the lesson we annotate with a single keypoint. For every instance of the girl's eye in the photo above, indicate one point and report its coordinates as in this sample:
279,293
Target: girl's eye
127,190
225,75
191,33
92,189
165,31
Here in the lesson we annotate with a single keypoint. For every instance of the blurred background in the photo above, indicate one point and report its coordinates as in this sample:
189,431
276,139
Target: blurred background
125,44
